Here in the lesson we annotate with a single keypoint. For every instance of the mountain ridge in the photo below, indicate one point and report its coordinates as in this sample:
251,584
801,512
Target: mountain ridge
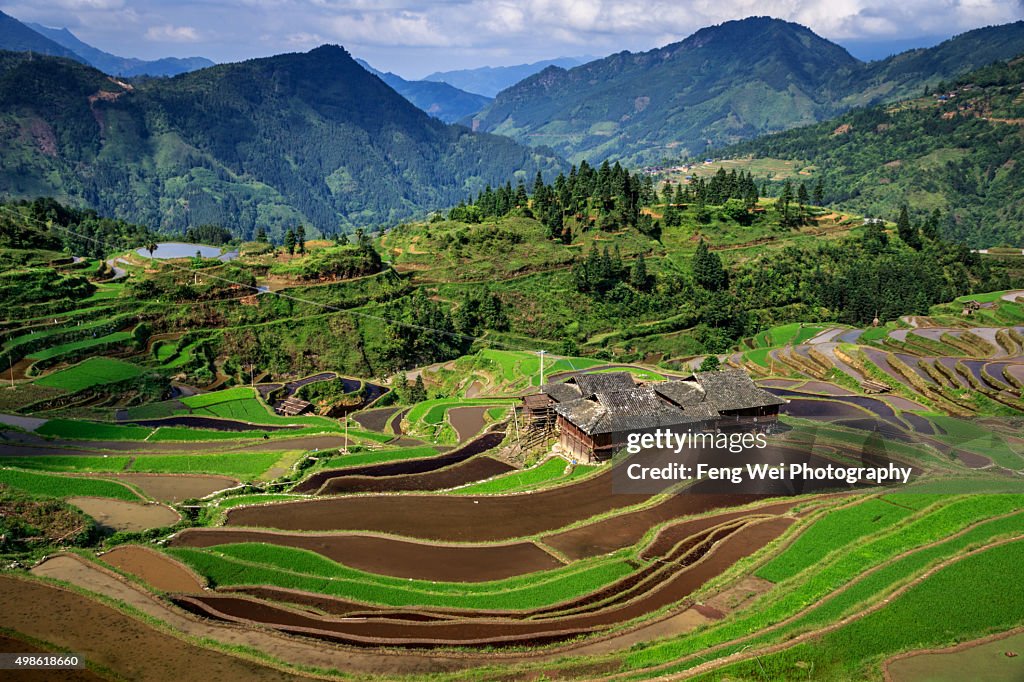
720,85
307,138
490,80
116,65
440,100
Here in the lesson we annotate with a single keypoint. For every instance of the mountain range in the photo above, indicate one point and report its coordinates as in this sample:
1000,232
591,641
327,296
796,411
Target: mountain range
19,37
120,66
440,100
490,80
721,85
310,138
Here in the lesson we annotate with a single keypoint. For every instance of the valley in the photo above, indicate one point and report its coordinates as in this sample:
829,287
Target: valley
299,382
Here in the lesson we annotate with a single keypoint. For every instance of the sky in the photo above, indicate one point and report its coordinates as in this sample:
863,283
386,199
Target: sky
416,37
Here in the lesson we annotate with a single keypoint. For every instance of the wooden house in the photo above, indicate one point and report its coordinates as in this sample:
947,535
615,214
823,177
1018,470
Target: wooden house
594,413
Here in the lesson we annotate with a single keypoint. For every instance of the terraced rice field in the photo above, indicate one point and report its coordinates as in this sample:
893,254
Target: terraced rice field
440,555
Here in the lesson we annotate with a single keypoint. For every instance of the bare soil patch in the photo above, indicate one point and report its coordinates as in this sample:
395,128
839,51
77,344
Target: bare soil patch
375,420
120,515
113,640
390,556
156,569
176,487
988,659
9,645
467,421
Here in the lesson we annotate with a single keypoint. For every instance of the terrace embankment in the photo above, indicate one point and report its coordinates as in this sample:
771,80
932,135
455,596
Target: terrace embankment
468,471
390,556
712,561
328,480
459,519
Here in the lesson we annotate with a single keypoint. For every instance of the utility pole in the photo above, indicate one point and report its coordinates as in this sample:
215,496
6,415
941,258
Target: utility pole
541,353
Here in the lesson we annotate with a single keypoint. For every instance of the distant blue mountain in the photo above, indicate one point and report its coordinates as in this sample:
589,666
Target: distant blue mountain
440,100
490,80
119,66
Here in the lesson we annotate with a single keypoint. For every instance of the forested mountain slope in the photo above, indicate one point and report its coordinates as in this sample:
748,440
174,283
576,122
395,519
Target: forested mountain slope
721,85
957,150
297,138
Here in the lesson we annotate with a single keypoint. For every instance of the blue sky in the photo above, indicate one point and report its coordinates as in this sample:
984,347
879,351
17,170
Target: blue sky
416,37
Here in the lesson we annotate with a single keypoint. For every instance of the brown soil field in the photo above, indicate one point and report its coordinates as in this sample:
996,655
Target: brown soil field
119,515
459,519
482,519
9,645
89,576
467,421
477,632
389,556
108,638
375,420
469,471
154,568
624,530
396,423
176,487
402,467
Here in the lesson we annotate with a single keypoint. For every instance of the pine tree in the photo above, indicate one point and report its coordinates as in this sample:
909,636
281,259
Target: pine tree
930,228
906,230
261,236
707,269
300,238
289,242
419,392
638,277
819,193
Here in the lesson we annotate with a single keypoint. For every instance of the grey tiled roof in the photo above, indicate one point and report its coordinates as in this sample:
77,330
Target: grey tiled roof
631,410
680,392
732,389
561,393
603,403
603,382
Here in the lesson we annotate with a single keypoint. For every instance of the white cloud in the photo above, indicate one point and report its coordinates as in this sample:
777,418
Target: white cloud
168,33
417,36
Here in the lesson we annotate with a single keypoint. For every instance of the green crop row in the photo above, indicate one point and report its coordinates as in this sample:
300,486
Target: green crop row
841,566
260,564
960,602
242,465
549,472
45,485
836,529
91,372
